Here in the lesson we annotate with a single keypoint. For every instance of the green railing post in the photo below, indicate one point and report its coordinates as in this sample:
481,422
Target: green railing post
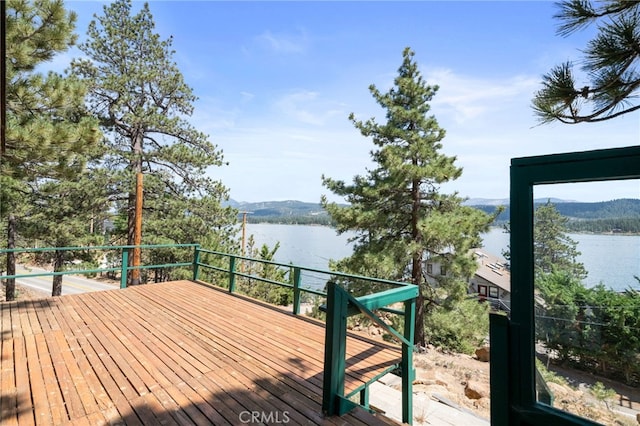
334,349
364,397
406,365
296,290
196,263
124,267
232,274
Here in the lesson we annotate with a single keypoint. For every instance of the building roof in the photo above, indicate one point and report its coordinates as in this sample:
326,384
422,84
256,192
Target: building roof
492,269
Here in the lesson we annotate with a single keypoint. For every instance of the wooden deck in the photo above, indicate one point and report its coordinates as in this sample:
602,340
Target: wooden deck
172,353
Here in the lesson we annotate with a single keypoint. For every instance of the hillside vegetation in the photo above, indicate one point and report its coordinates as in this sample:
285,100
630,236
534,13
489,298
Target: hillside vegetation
621,216
289,212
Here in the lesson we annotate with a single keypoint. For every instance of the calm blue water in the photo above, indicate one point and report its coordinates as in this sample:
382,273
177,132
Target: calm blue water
610,259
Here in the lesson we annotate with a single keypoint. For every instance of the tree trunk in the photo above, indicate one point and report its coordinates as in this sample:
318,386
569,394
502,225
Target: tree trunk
132,216
131,224
420,338
416,263
58,264
10,289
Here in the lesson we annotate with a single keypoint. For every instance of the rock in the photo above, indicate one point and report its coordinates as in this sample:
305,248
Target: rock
425,377
476,390
483,354
442,383
374,331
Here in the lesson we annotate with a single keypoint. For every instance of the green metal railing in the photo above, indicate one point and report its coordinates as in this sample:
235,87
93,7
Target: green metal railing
124,267
341,303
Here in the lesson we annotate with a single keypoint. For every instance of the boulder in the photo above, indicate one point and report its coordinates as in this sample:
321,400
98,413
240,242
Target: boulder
483,354
476,390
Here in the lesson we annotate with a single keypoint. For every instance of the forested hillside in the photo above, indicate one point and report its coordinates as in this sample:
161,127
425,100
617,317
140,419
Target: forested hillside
607,216
621,215
290,211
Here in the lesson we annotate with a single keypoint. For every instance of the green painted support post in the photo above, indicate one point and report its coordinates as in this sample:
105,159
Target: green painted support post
297,278
406,365
232,274
499,369
196,263
364,397
335,345
124,267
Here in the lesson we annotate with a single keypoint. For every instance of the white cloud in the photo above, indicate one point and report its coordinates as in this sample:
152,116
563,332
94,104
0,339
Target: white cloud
306,134
210,116
308,107
284,43
469,98
247,96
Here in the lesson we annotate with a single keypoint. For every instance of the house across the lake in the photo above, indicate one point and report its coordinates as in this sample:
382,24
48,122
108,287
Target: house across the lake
492,280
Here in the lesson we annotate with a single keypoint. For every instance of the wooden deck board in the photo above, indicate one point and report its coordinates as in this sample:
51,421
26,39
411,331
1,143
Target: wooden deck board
172,353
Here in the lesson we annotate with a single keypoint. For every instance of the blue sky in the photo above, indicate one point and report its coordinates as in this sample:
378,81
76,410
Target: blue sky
277,81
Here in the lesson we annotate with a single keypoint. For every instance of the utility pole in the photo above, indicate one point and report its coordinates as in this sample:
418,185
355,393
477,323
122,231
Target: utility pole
244,231
244,237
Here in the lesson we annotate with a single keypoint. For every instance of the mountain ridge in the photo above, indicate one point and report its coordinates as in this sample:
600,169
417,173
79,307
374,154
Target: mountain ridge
625,207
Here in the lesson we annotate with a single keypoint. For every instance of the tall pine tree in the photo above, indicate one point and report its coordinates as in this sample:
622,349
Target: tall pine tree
553,249
400,217
48,130
143,103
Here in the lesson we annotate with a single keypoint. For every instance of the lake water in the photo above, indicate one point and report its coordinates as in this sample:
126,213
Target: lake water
610,259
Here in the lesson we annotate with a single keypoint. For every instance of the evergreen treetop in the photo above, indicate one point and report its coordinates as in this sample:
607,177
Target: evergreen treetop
610,62
553,249
397,211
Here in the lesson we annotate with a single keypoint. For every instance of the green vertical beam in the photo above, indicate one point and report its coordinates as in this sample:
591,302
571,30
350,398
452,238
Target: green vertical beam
406,365
196,263
124,266
296,290
499,369
232,274
364,397
335,348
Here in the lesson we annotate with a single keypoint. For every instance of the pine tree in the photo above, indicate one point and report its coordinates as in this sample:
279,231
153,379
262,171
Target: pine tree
142,101
397,210
48,130
553,249
610,63
62,213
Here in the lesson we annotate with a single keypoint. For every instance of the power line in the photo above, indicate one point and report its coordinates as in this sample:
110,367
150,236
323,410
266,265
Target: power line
583,322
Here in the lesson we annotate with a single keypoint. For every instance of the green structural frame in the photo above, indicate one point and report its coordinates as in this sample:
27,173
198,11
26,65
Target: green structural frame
340,305
513,371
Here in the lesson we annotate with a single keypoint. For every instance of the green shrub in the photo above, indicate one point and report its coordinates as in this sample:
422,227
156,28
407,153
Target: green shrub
462,328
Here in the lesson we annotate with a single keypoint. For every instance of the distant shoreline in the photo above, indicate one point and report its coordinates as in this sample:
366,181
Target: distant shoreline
296,223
